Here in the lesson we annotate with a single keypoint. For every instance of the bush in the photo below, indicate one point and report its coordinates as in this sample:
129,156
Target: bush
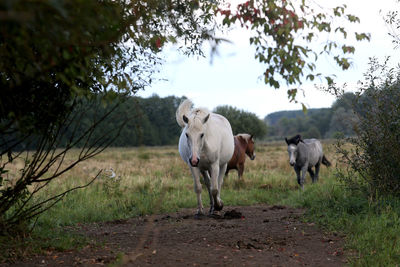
374,157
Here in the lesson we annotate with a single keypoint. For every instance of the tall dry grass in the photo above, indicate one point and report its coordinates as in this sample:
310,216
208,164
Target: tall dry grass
155,179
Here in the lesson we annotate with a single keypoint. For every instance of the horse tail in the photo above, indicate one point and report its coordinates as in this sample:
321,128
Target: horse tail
184,108
325,161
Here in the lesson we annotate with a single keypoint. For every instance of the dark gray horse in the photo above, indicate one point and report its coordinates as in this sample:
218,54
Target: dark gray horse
305,154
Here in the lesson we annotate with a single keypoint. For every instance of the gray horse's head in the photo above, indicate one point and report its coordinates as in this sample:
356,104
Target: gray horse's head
194,132
292,148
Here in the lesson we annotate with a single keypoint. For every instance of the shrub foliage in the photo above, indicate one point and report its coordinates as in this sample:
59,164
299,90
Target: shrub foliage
374,158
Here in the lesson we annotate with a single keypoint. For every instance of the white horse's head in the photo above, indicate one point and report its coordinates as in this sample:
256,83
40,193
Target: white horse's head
195,131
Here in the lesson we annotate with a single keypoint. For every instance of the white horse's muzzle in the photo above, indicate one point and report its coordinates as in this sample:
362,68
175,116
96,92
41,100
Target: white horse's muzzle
194,162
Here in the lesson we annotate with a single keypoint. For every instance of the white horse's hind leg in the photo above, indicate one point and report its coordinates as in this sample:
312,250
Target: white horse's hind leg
206,177
222,170
197,189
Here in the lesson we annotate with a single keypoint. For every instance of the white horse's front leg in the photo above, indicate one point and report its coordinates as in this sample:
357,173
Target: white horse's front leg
206,177
197,189
215,173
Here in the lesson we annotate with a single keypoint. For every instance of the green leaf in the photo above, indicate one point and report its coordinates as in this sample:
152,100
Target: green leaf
329,80
363,36
305,110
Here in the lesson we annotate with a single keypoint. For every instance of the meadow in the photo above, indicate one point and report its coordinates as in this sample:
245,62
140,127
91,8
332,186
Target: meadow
151,180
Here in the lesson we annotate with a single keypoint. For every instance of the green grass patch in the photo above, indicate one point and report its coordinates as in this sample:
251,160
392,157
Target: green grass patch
372,229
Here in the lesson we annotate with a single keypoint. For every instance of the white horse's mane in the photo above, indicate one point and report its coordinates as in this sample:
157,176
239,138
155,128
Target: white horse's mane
245,136
185,108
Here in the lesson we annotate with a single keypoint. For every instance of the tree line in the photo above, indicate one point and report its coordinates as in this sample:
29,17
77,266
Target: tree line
315,123
151,121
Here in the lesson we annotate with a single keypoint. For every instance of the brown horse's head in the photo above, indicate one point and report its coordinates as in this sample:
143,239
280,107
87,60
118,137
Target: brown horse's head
249,145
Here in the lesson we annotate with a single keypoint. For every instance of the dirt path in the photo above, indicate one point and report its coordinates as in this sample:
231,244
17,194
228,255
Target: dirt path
243,236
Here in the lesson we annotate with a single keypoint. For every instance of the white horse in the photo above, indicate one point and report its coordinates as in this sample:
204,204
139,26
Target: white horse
206,145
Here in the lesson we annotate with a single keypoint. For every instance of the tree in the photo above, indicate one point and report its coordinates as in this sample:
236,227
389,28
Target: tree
62,60
347,101
283,33
342,122
312,132
242,121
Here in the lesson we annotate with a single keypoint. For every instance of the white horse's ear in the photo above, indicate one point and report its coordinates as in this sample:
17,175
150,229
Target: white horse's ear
185,119
206,118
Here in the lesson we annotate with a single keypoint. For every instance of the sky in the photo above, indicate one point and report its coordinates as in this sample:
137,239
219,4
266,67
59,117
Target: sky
233,76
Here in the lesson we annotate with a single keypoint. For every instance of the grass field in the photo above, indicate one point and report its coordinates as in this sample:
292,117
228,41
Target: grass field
156,180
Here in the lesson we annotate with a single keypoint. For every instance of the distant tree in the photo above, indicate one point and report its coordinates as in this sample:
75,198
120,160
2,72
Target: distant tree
286,127
161,114
342,122
152,122
242,121
321,120
312,132
347,101
313,124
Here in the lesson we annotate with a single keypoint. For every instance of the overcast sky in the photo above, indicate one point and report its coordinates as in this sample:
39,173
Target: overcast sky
233,77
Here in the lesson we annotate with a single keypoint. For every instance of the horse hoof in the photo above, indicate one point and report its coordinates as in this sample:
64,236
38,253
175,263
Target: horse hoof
199,216
211,211
219,207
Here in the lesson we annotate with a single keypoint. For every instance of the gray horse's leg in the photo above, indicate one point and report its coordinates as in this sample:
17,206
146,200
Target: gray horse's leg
312,174
317,171
303,176
197,189
297,170
206,177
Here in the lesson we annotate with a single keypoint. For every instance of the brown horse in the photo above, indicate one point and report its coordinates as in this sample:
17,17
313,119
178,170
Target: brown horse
244,145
